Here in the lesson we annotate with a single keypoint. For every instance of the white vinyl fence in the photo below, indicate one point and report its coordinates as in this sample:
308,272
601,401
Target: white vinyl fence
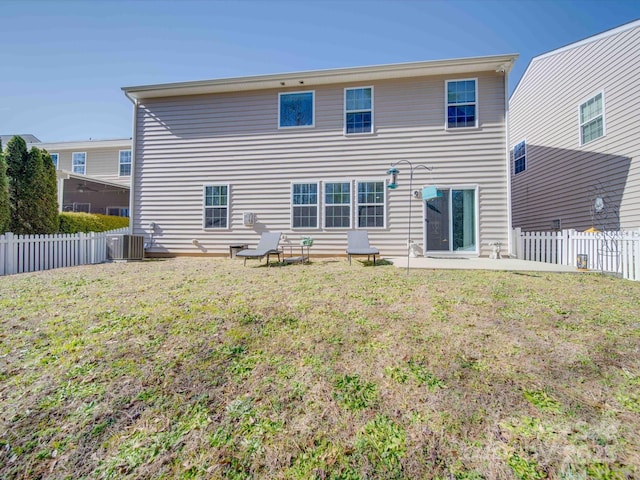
612,252
30,253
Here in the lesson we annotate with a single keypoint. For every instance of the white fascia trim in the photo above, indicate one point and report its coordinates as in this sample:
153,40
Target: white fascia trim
84,144
363,75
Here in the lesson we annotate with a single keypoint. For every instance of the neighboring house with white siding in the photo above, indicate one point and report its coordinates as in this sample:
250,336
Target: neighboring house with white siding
575,135
94,176
218,162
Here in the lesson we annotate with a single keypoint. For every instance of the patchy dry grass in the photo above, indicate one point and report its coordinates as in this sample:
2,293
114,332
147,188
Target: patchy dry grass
200,368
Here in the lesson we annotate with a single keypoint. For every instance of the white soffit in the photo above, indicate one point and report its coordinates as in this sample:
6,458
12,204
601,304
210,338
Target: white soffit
325,77
81,145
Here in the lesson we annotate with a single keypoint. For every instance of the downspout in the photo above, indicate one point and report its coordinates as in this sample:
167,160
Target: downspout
132,183
508,160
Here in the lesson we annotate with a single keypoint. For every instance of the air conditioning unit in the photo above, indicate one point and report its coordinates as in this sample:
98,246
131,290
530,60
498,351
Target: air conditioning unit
125,247
248,219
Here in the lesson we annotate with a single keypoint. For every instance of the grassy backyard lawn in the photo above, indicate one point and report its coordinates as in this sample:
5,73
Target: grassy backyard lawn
203,368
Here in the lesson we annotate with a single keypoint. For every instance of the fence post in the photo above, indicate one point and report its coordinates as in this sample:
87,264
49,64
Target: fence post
634,251
12,254
82,248
518,242
93,239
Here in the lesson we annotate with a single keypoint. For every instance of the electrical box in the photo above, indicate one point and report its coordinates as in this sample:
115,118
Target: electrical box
248,219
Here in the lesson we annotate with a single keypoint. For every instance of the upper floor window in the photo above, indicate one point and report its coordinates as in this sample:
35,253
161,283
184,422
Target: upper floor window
371,204
520,157
79,162
592,119
462,103
304,201
358,110
54,159
337,204
216,206
125,163
296,109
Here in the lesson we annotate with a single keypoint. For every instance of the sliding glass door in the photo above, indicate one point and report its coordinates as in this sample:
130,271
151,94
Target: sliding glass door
450,221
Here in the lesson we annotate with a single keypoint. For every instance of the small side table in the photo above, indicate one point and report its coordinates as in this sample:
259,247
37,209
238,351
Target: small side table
299,259
234,249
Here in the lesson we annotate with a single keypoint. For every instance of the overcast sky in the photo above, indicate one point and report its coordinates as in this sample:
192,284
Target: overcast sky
64,62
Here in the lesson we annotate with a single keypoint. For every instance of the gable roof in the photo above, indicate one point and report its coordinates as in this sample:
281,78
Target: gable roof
500,63
579,43
27,137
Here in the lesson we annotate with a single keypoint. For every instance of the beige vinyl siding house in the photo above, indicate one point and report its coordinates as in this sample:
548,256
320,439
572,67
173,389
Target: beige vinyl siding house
211,156
94,176
576,110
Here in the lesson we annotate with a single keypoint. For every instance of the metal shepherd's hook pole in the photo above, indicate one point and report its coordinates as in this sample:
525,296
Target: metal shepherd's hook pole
393,185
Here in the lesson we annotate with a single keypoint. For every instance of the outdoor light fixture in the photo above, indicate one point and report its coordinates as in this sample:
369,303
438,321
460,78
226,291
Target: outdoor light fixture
393,184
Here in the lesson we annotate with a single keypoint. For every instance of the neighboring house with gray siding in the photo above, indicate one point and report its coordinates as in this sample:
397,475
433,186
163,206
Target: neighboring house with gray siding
27,137
94,176
218,162
575,136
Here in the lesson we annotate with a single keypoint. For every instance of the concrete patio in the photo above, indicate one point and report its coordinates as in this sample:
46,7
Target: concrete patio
459,263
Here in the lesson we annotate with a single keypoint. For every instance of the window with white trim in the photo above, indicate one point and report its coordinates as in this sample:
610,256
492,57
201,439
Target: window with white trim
371,204
125,163
358,110
592,119
54,159
296,109
81,207
79,162
520,157
304,205
118,211
461,103
337,205
216,206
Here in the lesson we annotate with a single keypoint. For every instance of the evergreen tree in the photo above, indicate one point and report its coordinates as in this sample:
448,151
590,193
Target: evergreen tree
33,198
32,192
49,195
16,158
5,214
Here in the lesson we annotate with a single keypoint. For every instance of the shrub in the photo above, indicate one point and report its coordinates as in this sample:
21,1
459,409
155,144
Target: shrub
90,222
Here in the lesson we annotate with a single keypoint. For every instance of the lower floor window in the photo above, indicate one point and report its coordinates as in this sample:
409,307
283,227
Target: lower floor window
118,211
338,204
304,200
77,207
216,206
371,204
